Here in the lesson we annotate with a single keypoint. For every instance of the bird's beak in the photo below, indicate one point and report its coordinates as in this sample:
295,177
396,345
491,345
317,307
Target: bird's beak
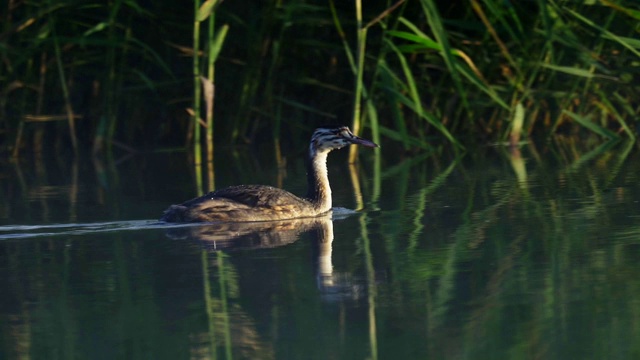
364,142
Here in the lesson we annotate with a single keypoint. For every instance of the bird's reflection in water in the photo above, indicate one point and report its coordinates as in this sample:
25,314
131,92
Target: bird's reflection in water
270,234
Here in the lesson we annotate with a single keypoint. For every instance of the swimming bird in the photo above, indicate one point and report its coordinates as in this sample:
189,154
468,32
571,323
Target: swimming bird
265,203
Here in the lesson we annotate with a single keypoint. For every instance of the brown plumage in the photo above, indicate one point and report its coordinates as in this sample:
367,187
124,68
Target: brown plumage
263,203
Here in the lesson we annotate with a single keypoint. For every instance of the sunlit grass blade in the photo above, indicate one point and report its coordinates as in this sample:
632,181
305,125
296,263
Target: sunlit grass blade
206,9
424,42
440,33
575,71
415,103
216,46
517,122
630,12
635,43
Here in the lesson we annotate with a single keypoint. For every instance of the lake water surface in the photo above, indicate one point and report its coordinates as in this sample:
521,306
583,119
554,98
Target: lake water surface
490,255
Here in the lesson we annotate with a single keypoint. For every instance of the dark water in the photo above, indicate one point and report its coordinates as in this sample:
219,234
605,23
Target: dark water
493,255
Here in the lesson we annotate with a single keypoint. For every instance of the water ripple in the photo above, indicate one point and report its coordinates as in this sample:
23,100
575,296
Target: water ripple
8,232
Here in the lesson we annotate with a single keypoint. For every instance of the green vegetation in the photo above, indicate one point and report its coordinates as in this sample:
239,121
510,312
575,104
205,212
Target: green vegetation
118,73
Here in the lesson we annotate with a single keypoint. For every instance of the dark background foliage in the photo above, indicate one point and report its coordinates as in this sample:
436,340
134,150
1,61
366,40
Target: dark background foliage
548,65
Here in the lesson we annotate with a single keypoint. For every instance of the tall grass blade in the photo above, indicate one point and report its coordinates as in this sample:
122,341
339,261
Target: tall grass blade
197,150
158,59
608,34
516,125
587,123
343,36
440,33
357,102
216,45
632,42
387,82
481,84
605,104
371,286
569,70
208,90
494,34
407,139
626,104
408,75
206,9
499,9
629,12
430,118
65,89
209,302
223,280
424,42
372,115
414,102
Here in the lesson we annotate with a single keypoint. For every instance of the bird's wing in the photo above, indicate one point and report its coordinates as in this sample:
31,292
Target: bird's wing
251,195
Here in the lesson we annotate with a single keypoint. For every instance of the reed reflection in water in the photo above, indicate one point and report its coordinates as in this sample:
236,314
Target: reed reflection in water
497,254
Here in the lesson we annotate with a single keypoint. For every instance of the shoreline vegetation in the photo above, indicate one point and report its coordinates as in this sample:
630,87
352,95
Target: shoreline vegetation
123,76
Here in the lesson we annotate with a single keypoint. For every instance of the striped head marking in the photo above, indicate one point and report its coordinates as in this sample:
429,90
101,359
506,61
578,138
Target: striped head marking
327,138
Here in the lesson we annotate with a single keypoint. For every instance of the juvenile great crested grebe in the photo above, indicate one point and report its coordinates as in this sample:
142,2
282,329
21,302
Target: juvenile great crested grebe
264,203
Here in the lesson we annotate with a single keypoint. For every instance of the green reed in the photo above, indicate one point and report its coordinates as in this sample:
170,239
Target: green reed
74,39
360,53
365,249
224,282
208,302
63,85
197,153
357,66
416,72
204,12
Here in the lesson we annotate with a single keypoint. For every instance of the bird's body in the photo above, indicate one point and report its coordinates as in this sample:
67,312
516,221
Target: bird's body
242,203
265,203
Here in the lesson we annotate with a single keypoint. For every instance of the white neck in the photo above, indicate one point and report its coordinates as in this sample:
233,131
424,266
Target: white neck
319,191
